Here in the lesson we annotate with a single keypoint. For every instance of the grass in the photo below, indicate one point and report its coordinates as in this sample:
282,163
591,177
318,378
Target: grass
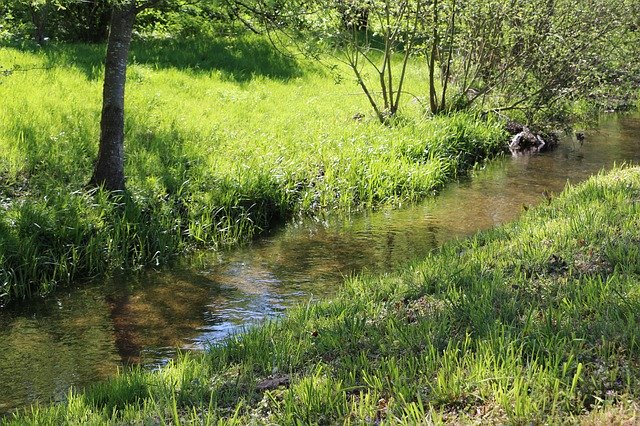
224,138
534,322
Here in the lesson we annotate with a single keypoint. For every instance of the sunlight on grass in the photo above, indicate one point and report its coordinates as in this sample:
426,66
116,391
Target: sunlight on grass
532,322
214,155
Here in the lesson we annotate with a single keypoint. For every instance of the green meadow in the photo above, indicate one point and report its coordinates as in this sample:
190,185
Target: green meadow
534,322
224,139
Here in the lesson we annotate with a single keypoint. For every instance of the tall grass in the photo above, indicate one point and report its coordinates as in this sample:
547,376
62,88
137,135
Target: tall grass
531,323
224,138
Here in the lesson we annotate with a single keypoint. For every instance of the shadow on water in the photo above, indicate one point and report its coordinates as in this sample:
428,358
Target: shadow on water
83,335
238,59
144,311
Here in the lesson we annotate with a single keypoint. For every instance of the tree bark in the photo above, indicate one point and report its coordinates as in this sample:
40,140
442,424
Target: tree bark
433,96
39,17
109,168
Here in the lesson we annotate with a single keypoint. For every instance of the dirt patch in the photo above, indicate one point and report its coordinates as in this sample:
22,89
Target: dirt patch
273,382
591,263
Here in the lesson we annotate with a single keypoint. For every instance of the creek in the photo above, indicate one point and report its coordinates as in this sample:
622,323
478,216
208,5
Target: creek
82,335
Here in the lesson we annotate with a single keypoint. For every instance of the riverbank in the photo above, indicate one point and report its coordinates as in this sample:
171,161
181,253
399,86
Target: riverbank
224,139
535,321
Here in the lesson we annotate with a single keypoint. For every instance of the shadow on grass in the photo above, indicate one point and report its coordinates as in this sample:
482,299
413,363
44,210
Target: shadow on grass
237,59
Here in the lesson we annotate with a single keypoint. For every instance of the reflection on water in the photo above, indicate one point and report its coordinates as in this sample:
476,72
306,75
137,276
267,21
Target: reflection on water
83,335
46,348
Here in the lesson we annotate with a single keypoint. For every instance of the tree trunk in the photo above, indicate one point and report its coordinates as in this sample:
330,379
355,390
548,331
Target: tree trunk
39,17
433,96
109,168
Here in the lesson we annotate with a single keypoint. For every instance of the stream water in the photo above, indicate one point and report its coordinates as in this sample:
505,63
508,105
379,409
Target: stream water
84,334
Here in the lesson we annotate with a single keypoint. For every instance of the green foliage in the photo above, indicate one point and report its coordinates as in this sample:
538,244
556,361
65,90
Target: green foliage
215,154
522,58
533,322
67,20
88,20
187,19
525,59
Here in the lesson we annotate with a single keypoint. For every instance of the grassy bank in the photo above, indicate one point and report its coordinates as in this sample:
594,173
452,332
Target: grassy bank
224,138
533,322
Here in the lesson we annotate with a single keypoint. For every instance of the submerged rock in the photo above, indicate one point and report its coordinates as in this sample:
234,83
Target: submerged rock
525,141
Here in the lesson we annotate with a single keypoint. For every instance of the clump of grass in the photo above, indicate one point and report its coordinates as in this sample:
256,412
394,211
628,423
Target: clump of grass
224,138
505,327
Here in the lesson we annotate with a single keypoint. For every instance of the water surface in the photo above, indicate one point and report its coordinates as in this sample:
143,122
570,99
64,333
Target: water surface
84,335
